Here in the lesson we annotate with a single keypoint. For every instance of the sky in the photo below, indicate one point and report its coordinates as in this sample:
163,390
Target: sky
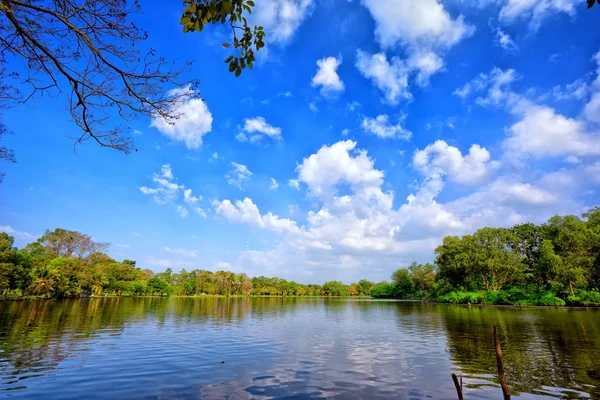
367,131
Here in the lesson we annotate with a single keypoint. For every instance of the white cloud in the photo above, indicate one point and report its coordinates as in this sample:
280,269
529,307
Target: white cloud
335,164
255,129
13,232
313,107
423,27
200,212
592,108
390,77
189,198
535,10
576,90
427,63
345,132
180,252
274,184
122,245
166,190
381,127
294,183
504,40
542,132
281,18
495,84
440,158
215,155
353,228
169,191
286,94
327,77
238,174
423,23
247,212
193,122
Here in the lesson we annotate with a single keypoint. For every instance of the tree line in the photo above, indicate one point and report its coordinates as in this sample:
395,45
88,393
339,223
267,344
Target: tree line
556,263
66,264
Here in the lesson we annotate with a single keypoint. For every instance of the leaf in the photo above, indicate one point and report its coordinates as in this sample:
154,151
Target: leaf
226,45
227,7
228,59
231,66
184,19
251,3
591,3
238,72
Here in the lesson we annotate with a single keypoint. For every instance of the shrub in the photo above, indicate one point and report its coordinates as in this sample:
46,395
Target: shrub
461,298
383,290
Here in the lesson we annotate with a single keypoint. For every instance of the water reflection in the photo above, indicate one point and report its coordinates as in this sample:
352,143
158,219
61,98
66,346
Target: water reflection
246,348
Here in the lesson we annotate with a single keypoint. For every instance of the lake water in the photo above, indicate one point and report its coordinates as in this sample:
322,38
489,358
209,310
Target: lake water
243,348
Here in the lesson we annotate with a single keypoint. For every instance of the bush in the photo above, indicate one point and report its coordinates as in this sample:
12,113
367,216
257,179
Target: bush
461,298
584,298
384,290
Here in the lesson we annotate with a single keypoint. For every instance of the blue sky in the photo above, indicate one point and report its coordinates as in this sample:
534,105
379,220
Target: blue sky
368,131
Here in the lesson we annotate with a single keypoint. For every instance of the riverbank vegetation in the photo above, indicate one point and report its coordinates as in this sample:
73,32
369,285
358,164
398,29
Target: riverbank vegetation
553,264
65,264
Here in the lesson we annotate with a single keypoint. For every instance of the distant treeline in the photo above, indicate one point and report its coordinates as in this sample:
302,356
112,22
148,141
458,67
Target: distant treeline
64,264
553,264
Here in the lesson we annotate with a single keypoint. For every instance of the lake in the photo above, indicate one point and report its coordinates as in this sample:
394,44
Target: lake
297,348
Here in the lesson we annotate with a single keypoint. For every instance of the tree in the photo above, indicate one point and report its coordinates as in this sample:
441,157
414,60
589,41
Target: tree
335,288
403,282
157,285
423,277
88,52
198,13
65,243
364,287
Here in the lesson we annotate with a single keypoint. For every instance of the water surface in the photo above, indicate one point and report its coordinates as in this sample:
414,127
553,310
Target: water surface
299,348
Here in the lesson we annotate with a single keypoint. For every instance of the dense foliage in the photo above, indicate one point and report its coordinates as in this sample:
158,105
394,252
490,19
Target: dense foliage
553,264
65,263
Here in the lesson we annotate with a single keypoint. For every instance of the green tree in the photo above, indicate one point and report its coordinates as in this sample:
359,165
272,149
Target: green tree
364,287
335,288
403,282
423,277
158,286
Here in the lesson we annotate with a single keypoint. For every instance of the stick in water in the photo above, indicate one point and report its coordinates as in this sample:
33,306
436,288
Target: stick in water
500,366
458,386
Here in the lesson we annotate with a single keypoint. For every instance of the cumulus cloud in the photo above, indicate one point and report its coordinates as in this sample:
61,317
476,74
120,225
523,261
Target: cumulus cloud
381,127
391,77
247,212
327,77
238,174
423,23
504,40
274,184
193,121
542,132
281,18
439,158
255,129
338,163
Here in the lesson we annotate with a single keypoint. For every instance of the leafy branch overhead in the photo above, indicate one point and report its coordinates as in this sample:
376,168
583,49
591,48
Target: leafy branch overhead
199,13
590,3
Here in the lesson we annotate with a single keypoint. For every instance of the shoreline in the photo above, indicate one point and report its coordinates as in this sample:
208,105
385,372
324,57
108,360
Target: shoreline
508,306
